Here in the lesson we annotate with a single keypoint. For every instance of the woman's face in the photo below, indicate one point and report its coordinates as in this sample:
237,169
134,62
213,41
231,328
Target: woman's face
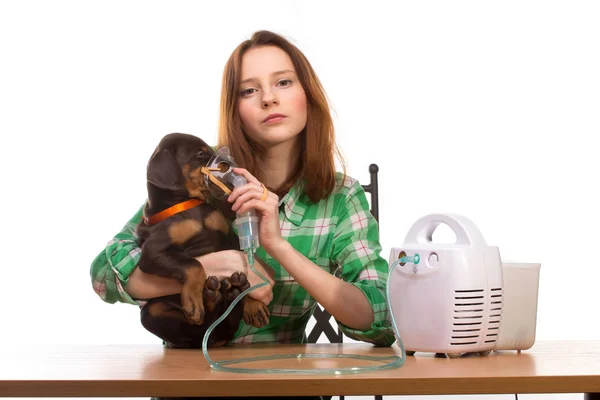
272,103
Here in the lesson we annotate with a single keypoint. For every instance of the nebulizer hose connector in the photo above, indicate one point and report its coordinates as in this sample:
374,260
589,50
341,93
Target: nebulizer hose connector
220,179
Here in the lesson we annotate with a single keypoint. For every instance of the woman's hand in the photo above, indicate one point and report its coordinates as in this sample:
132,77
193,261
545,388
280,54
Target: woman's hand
249,196
263,294
222,264
142,286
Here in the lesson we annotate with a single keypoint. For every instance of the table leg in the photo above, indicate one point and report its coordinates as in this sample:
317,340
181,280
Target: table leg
591,396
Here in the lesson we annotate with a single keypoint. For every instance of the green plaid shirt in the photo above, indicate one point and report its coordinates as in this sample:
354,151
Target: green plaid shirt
337,232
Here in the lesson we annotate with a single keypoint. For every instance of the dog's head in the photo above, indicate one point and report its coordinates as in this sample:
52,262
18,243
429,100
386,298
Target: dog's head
175,165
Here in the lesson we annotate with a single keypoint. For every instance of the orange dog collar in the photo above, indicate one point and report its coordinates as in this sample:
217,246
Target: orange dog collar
177,208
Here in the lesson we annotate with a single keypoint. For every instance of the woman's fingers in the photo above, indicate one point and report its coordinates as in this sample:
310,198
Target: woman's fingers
243,189
258,205
252,193
263,294
249,177
224,263
252,190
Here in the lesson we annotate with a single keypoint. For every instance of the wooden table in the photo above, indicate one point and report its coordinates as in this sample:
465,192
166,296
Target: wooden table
136,371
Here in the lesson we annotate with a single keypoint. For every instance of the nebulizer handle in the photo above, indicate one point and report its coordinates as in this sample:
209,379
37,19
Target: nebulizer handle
246,223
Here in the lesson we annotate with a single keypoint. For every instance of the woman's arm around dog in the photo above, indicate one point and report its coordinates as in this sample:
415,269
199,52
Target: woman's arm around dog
116,278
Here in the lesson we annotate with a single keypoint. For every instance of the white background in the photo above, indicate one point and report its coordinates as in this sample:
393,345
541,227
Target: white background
487,109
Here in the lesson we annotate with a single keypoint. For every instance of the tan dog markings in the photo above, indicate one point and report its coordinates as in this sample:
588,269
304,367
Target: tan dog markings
194,181
180,232
195,273
192,293
256,313
216,222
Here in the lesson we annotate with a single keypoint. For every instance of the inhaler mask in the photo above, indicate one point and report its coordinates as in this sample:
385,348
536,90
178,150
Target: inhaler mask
220,181
220,173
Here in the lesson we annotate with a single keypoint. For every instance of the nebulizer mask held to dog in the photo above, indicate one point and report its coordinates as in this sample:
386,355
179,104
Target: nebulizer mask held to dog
221,180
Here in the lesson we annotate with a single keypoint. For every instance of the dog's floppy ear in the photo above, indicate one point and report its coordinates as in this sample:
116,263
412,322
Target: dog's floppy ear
164,172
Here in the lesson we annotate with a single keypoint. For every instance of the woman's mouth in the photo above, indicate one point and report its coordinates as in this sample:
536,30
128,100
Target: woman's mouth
274,118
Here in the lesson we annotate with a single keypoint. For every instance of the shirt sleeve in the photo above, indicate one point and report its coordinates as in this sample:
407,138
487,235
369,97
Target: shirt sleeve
357,250
111,268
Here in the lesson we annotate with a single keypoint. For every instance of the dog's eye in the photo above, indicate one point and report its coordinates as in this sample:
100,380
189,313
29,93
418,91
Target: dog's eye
200,154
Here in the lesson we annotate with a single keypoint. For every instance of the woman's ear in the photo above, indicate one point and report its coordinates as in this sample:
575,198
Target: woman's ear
164,172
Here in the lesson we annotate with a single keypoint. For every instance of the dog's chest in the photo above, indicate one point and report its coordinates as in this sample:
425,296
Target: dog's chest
201,233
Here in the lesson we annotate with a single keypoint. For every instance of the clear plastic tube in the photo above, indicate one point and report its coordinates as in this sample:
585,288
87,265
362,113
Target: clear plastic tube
388,362
248,234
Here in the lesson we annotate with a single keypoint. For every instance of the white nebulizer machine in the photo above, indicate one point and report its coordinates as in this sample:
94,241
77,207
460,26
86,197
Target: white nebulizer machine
221,180
451,297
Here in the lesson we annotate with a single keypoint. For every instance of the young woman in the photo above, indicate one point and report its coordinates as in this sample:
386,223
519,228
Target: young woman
276,121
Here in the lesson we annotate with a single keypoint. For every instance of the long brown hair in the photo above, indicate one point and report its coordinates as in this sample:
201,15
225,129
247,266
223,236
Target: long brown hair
316,165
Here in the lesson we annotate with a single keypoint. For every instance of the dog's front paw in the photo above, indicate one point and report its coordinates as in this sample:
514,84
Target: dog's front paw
256,313
239,283
212,293
191,301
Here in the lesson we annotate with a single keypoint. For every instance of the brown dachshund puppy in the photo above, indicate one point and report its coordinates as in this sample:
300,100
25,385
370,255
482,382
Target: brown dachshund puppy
183,221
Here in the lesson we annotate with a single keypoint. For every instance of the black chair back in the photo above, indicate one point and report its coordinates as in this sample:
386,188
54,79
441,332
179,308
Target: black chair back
321,315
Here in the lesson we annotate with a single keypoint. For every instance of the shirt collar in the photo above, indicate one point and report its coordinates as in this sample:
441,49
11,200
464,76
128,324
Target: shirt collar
295,203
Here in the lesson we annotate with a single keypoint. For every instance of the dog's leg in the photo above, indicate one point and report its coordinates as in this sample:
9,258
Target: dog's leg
225,331
229,292
213,295
255,313
164,318
157,258
191,294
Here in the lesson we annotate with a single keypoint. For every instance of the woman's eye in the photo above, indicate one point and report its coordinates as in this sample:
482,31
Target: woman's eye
284,82
246,92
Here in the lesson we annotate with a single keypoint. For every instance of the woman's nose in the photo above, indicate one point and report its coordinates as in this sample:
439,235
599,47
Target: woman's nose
268,99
